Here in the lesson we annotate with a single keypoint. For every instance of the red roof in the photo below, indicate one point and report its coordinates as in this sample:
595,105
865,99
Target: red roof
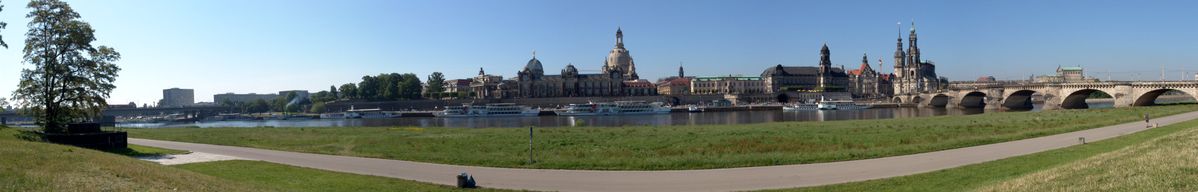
859,69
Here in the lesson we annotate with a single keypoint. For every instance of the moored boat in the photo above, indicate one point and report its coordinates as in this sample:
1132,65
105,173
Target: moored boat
488,110
615,108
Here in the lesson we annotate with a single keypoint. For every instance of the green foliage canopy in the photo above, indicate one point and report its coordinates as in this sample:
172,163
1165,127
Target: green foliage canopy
70,78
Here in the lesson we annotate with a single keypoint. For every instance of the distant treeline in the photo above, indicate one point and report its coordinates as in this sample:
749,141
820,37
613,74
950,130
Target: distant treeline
381,87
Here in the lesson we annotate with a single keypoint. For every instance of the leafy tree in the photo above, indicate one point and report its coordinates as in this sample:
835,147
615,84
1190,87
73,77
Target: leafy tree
3,101
322,96
409,86
333,91
368,88
349,91
318,107
70,78
2,25
436,84
389,86
259,106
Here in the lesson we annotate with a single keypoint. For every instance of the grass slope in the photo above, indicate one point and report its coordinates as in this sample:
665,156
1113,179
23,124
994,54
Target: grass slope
291,178
37,166
984,175
667,147
1163,164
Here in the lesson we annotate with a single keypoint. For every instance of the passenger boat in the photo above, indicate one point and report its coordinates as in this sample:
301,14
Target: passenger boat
615,108
374,113
488,110
841,105
823,104
332,115
694,109
800,107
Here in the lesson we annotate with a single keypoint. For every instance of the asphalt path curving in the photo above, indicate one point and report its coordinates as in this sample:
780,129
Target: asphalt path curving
729,179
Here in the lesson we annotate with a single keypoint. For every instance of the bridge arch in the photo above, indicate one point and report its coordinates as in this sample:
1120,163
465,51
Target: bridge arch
916,99
975,99
939,101
1077,99
1019,100
1149,98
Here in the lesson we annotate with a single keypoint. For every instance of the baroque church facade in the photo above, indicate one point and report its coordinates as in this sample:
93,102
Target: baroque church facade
911,74
618,78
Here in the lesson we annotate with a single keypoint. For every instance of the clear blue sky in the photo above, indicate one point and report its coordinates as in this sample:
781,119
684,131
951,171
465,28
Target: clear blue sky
263,46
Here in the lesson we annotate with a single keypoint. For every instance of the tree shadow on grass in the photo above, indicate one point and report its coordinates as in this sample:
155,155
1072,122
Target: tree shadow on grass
134,153
29,135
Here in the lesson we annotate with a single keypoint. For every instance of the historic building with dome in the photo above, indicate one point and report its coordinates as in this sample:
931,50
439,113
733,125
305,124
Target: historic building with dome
618,78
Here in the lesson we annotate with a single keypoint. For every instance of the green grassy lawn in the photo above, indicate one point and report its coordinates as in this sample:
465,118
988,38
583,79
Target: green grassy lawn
36,166
1166,163
1108,165
291,178
668,147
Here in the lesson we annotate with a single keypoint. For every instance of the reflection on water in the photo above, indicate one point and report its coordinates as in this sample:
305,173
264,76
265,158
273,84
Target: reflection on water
707,118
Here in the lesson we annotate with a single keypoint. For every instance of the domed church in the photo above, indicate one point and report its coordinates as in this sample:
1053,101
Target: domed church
618,78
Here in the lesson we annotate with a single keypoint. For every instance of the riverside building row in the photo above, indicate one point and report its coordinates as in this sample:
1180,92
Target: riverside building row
618,77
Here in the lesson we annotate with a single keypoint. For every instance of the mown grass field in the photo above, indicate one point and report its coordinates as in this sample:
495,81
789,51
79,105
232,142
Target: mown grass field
1168,163
36,166
291,178
1109,165
667,147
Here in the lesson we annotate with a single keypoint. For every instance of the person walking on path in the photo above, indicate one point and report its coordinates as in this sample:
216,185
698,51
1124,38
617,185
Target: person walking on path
1146,121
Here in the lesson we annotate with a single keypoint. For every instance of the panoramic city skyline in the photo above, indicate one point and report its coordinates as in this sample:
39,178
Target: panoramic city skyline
270,46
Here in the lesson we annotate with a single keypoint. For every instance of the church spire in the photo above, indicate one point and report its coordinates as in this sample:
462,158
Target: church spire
865,58
619,37
825,59
681,74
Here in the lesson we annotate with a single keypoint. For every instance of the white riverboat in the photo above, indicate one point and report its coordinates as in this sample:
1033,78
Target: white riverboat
374,113
841,105
800,107
823,104
615,108
488,110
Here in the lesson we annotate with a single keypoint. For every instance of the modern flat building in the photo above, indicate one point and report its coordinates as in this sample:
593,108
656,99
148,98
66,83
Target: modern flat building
176,97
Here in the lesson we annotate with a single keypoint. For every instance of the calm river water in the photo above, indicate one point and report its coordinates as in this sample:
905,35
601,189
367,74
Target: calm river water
706,118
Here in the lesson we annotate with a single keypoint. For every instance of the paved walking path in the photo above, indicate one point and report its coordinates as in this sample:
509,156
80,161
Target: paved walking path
731,179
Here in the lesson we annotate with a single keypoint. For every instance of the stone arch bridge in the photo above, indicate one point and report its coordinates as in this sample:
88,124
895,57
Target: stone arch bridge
1020,94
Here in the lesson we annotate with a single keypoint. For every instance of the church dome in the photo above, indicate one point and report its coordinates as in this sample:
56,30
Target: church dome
619,59
534,66
569,70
